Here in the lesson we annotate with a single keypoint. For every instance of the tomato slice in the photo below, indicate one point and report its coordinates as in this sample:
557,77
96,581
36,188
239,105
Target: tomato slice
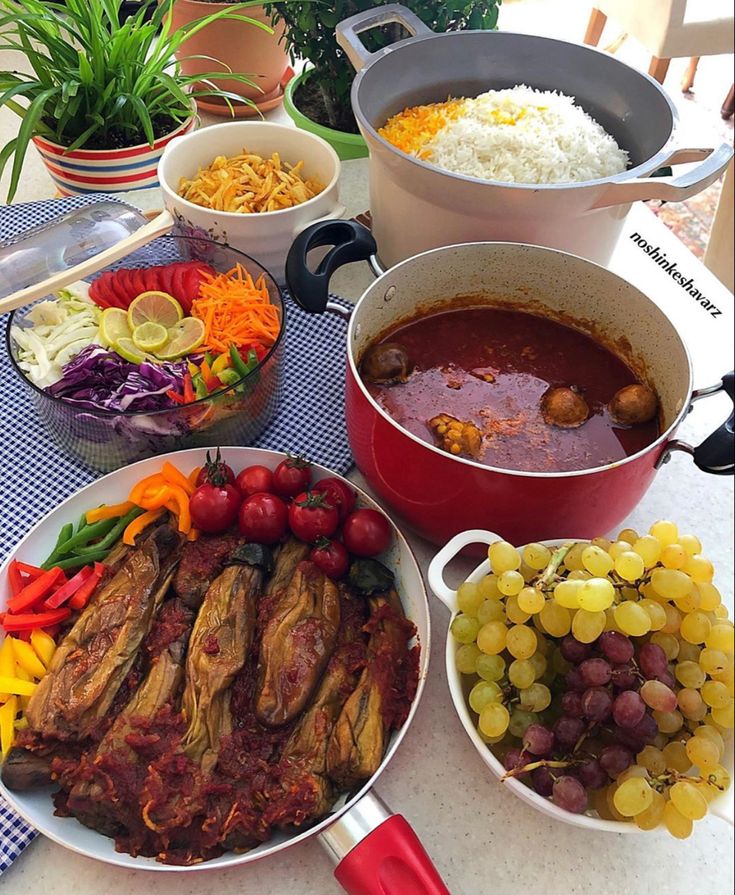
107,285
177,286
139,281
165,277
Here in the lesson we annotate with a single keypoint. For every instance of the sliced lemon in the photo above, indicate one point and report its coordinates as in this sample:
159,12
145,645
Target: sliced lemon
154,307
149,336
113,326
183,338
127,349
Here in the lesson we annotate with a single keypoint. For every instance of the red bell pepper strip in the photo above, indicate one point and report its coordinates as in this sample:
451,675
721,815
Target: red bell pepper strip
31,620
189,395
36,591
15,579
68,589
32,571
175,396
81,597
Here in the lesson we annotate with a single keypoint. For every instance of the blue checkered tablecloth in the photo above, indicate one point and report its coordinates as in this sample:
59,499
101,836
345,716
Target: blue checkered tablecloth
309,421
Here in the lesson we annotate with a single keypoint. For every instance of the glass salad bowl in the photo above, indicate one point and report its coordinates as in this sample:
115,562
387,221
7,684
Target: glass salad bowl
235,413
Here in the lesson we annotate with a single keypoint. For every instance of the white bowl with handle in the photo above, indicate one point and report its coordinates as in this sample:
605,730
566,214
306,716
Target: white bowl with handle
265,236
722,806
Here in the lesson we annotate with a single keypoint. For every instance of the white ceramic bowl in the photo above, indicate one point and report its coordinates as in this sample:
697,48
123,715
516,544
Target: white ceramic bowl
36,806
722,806
267,236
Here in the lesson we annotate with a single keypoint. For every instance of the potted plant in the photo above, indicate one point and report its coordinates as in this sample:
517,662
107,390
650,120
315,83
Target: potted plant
234,43
318,100
104,95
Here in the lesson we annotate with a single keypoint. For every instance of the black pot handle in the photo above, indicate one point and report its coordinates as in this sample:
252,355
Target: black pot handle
350,242
716,454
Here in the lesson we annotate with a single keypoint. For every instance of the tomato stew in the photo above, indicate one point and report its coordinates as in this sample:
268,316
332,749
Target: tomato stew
485,383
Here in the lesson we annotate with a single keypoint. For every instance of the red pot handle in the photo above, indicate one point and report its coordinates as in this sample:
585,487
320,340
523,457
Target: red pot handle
377,853
390,861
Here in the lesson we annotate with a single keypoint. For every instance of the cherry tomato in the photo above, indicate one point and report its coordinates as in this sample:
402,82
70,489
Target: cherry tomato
291,477
216,471
366,533
311,517
214,508
263,518
331,557
254,479
340,495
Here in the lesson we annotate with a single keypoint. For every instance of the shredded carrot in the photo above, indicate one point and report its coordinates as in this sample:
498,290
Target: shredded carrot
236,310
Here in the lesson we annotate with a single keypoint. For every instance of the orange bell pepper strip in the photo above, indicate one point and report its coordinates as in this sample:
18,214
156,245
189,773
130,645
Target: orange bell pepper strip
155,499
109,511
139,523
193,476
152,481
174,477
181,501
193,534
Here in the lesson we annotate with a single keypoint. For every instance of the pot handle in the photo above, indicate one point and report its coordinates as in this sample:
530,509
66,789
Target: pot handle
348,30
716,454
670,189
378,853
449,551
336,212
349,240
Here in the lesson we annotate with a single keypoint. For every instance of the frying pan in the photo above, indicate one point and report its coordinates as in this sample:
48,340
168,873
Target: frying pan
375,851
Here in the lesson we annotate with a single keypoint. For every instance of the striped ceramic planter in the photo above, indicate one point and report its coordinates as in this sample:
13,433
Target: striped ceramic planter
106,170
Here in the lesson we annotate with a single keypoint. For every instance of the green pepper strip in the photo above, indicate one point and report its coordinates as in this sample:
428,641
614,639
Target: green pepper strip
120,523
238,363
87,534
66,532
74,562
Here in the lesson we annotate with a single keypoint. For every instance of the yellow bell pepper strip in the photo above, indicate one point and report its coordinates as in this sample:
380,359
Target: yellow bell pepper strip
21,723
26,657
174,477
44,645
7,662
140,523
7,724
220,363
109,511
17,686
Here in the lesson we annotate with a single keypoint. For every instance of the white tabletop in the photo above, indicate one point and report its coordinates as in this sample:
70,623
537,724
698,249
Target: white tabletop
481,837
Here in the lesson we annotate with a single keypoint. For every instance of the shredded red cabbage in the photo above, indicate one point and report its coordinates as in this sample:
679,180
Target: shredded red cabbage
100,379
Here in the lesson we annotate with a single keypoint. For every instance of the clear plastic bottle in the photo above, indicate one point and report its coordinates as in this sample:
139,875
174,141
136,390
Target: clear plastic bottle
58,245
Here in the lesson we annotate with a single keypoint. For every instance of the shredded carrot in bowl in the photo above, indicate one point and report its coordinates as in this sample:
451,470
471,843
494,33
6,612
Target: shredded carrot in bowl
236,310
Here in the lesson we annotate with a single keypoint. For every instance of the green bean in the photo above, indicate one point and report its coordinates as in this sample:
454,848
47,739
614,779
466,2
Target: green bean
121,523
81,523
87,534
74,562
66,532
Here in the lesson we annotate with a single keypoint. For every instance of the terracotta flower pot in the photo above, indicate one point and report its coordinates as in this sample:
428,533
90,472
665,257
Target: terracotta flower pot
245,48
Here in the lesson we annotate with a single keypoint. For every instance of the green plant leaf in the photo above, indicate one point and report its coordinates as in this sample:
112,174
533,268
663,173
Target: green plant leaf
27,128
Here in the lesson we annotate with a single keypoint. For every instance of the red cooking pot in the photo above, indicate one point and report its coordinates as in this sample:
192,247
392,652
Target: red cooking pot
439,494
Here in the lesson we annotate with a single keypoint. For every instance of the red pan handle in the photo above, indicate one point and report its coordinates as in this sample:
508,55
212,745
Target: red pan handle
379,853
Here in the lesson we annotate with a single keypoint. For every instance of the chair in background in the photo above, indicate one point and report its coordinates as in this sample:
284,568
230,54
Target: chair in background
669,29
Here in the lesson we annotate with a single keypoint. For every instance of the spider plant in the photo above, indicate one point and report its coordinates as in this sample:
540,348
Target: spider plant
96,81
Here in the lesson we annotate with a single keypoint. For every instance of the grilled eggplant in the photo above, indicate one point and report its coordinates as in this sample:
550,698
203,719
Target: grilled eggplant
289,556
94,799
201,562
92,661
297,642
360,737
219,646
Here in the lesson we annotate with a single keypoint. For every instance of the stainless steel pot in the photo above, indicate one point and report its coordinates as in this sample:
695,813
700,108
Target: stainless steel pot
416,206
